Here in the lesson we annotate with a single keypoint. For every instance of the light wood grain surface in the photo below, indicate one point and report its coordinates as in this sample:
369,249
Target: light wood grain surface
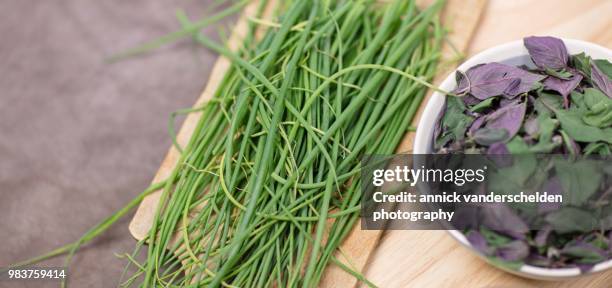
433,258
505,21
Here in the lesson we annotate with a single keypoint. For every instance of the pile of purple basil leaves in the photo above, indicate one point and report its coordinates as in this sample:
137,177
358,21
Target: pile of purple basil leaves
563,106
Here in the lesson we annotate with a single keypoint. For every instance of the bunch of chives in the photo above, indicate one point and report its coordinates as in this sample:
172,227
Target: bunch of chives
276,153
268,186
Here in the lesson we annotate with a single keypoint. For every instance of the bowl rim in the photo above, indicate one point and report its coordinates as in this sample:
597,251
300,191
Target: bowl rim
424,133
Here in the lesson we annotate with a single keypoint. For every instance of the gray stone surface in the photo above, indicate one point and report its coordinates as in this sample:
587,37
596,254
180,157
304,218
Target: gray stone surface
80,137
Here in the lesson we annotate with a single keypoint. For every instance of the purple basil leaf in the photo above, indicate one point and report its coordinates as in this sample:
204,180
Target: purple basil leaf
501,218
553,187
470,100
505,102
508,118
499,154
498,149
476,125
601,80
542,236
513,86
585,253
463,84
513,251
494,79
465,218
488,136
584,268
479,242
547,52
563,87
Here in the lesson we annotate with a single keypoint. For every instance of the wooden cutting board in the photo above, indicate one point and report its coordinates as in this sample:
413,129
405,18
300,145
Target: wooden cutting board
429,258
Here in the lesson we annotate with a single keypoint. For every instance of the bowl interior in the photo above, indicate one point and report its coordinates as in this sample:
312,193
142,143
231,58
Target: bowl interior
513,53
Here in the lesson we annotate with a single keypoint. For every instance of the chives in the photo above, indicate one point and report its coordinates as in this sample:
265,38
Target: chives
275,154
297,118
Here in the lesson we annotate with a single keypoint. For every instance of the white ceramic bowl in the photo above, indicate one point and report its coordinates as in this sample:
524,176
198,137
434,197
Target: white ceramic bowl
513,53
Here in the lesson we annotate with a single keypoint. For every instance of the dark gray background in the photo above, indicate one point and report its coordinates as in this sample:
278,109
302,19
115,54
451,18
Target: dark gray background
80,137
